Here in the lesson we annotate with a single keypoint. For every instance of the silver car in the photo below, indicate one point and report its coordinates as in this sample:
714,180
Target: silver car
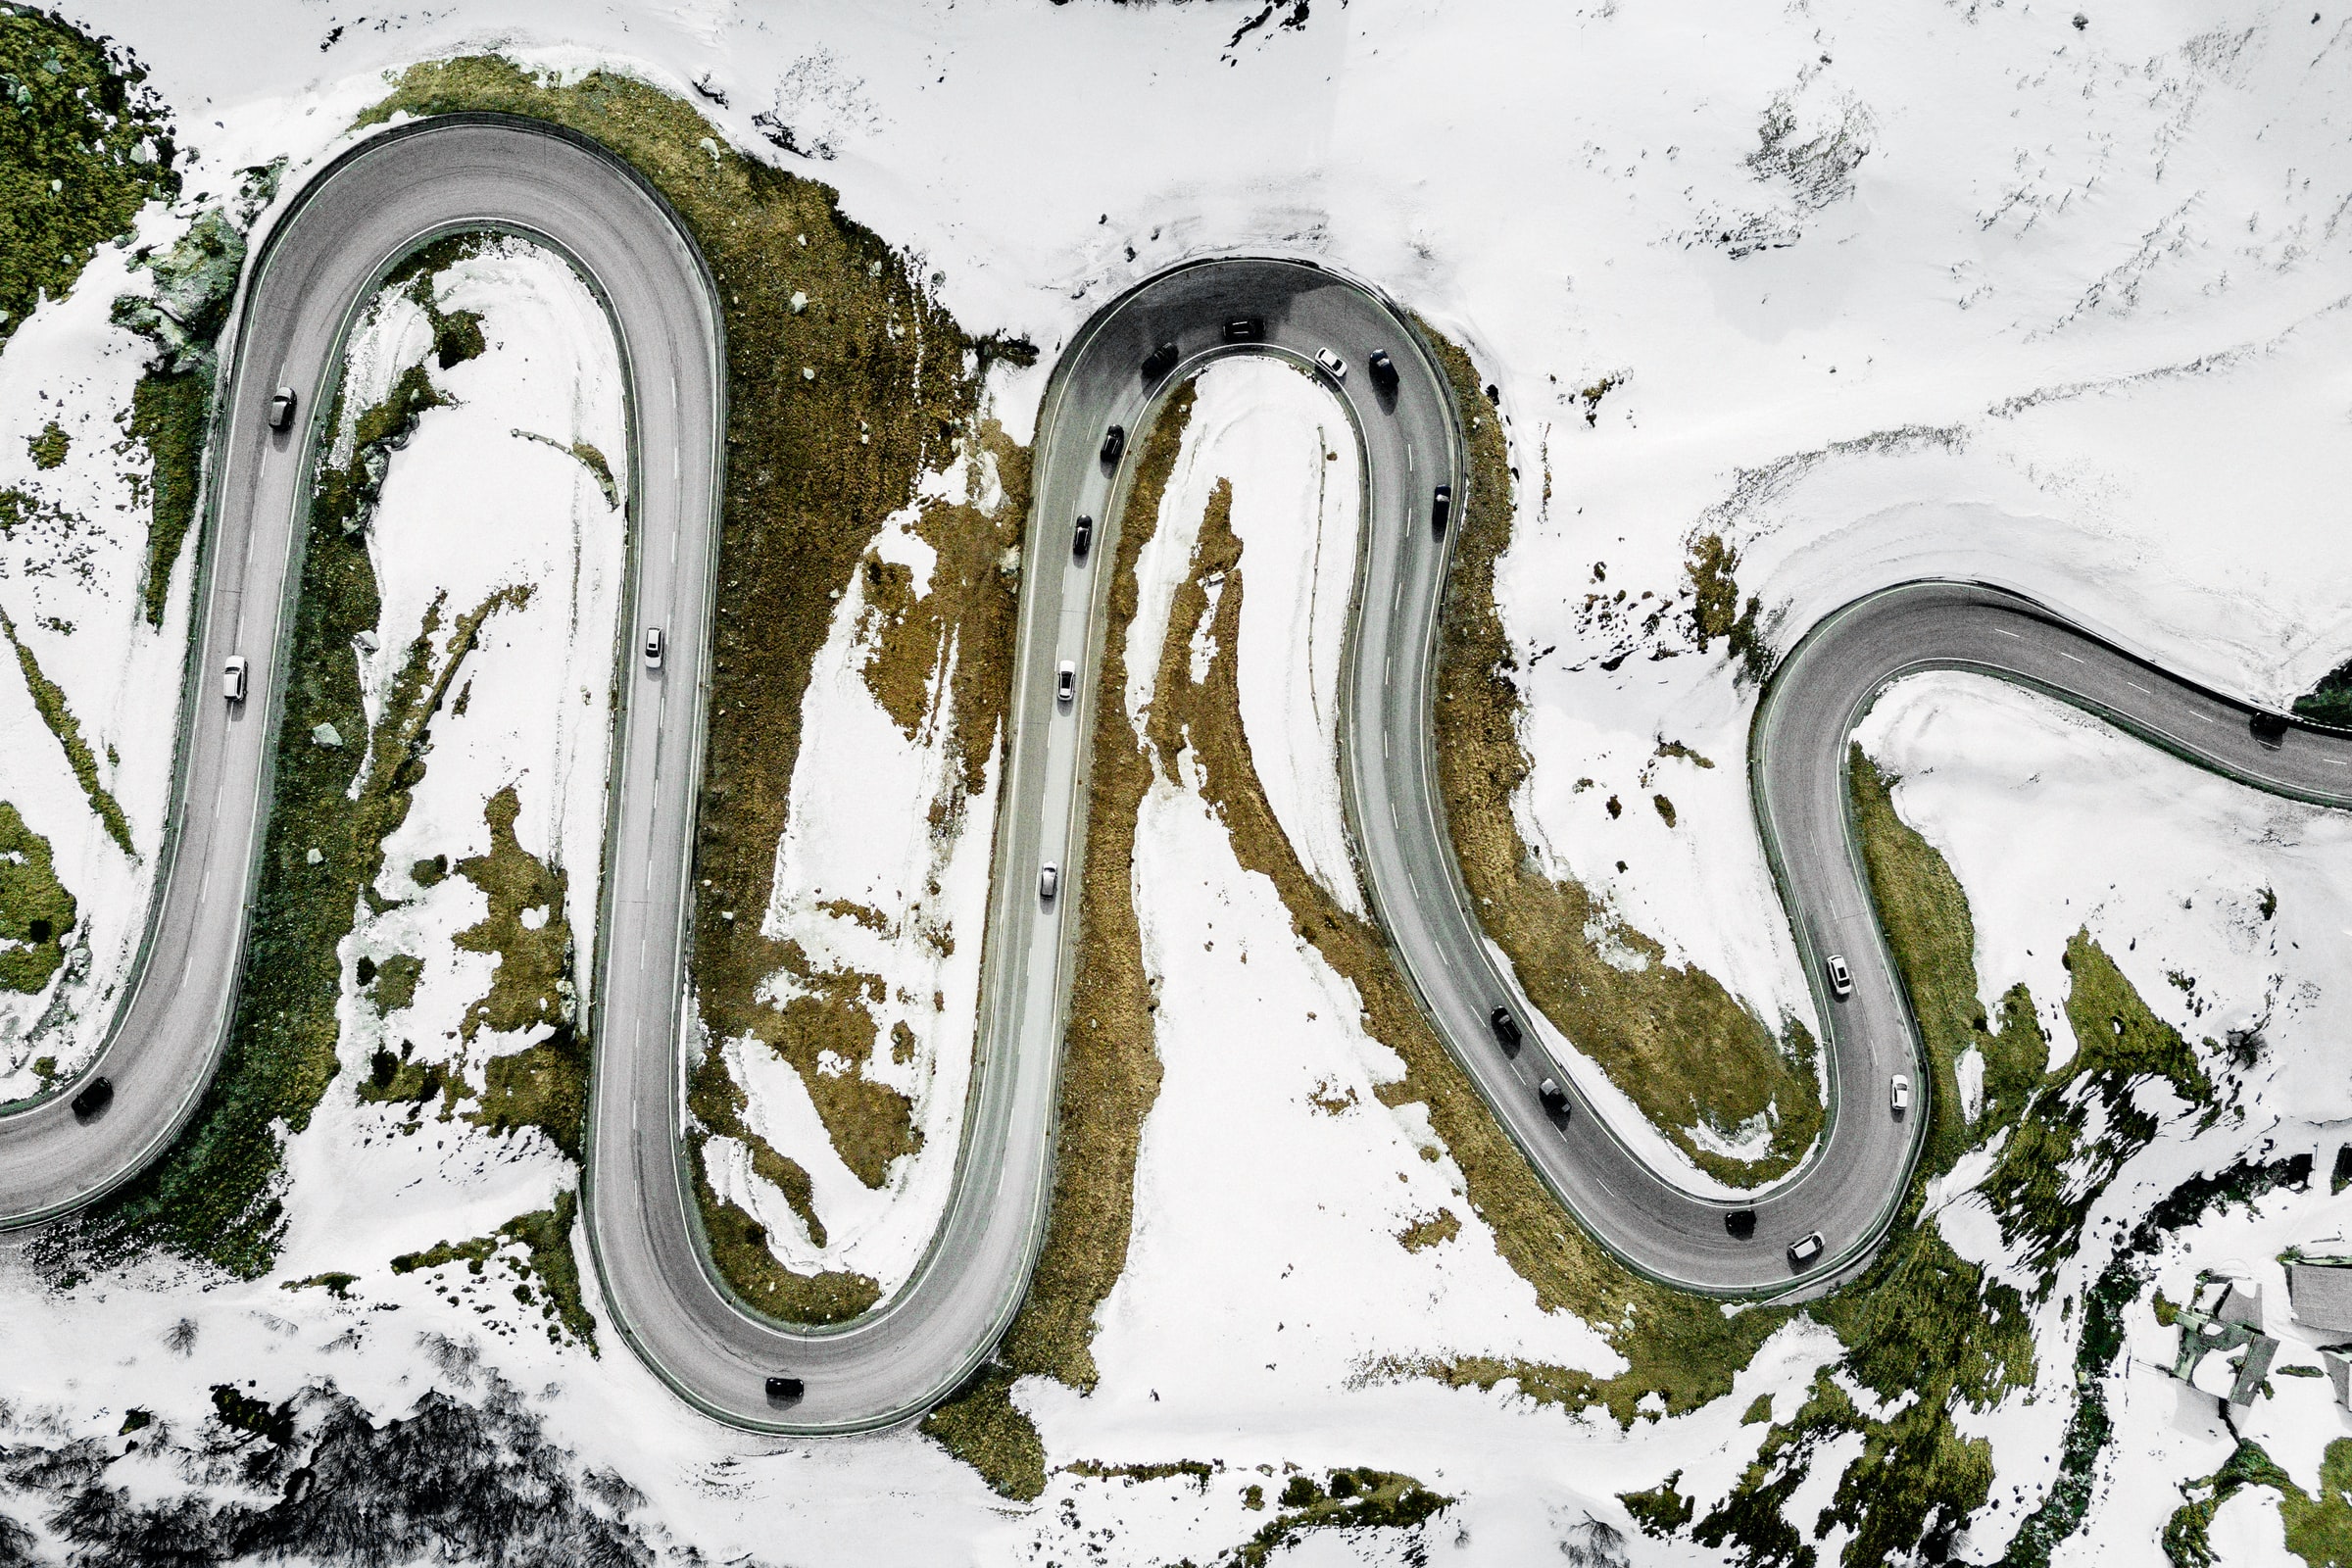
1049,881
1065,683
1333,366
233,679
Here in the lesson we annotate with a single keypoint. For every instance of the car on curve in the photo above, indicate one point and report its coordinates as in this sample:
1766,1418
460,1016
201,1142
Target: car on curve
1898,1093
1332,364
1841,979
1383,369
281,407
1803,1254
1441,506
1115,441
1159,362
1505,1028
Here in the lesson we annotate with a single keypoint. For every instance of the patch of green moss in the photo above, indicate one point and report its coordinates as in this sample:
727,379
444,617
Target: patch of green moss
980,1425
545,1239
543,1085
738,1244
36,913
1662,1510
394,981
49,700
2045,1173
48,449
1346,1499
1716,611
83,146
166,419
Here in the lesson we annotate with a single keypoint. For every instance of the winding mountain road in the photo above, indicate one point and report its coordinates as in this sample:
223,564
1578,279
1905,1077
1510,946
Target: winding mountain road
402,187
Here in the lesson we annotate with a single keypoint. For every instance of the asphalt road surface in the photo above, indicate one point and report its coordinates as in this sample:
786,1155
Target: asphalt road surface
404,187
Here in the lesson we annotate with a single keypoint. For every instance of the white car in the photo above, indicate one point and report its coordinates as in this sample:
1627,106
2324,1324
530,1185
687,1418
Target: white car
652,648
1804,1254
1065,683
1841,979
233,679
1049,881
1899,1094
1333,366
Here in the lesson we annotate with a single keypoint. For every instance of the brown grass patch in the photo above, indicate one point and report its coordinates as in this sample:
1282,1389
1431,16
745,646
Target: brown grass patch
1430,1230
531,985
1672,1038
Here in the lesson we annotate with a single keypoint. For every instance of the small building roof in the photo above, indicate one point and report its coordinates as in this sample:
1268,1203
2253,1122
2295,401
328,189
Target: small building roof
2321,1295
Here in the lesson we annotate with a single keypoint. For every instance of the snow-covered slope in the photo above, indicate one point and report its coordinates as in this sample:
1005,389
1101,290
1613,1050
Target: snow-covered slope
1869,293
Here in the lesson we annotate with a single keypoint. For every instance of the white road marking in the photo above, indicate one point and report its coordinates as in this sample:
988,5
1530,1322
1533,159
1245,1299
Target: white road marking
2004,631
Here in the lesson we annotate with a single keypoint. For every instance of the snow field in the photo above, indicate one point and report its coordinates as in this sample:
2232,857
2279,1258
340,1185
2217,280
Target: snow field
859,843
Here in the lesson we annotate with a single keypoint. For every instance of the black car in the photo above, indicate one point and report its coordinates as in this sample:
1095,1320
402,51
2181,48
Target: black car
1739,1224
1159,362
95,1097
1552,1097
1246,330
1505,1028
2269,728
1115,441
1441,506
1082,536
785,1390
1383,369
